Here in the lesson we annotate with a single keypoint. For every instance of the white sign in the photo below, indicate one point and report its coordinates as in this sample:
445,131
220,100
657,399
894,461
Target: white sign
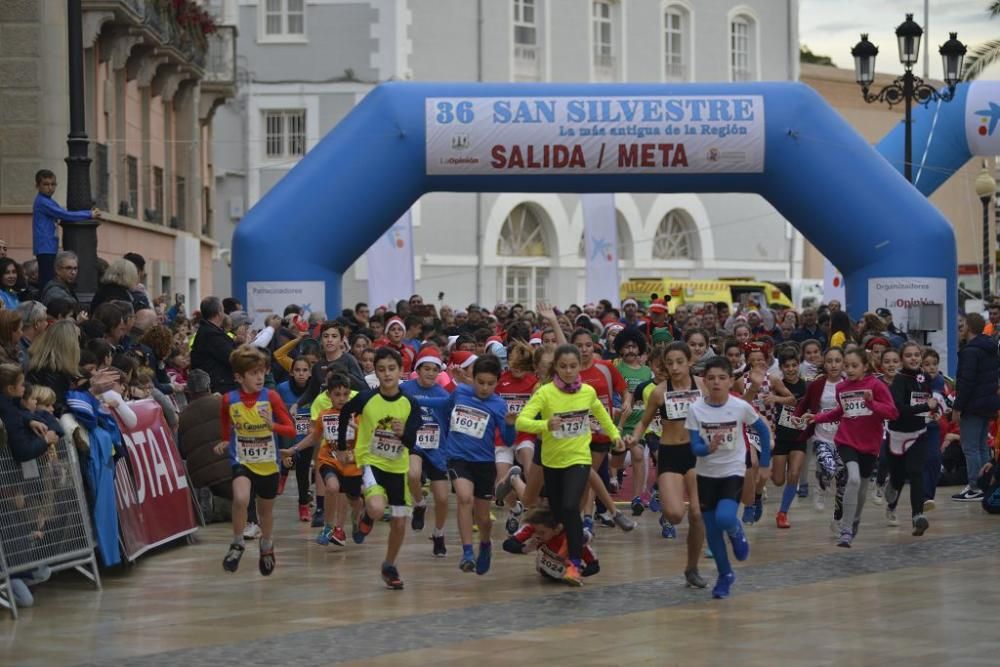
898,294
677,134
982,118
600,232
270,298
390,264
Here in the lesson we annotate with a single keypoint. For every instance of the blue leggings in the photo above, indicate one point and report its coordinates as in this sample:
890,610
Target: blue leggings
718,522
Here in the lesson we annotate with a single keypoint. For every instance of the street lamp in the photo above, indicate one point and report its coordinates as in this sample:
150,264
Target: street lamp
908,87
986,190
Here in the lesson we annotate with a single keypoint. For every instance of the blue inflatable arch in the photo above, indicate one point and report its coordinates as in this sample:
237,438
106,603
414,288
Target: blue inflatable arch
810,165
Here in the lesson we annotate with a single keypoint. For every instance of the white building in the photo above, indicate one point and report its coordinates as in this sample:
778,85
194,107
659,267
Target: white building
305,63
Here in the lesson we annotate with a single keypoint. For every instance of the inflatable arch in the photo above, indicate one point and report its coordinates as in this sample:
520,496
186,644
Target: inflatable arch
780,140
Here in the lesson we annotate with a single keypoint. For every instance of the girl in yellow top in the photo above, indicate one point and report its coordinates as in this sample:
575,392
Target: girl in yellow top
565,406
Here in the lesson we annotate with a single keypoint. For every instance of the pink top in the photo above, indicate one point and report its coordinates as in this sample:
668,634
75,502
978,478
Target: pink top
862,420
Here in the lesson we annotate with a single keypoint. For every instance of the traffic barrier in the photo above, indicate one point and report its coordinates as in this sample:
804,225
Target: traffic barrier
44,520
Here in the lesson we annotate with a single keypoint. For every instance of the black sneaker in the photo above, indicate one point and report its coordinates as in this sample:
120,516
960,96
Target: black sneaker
231,562
417,521
390,575
968,495
920,525
512,524
267,561
439,549
317,519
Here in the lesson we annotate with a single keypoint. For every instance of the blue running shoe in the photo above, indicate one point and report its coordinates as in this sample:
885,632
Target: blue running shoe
667,529
721,589
741,546
654,502
748,514
804,490
637,506
588,524
758,509
323,539
483,560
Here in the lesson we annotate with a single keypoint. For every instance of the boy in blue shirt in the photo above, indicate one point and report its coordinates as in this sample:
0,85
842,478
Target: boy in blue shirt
44,213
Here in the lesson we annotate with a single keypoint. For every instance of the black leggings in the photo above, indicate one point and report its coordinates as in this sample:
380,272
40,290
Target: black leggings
565,487
303,462
910,468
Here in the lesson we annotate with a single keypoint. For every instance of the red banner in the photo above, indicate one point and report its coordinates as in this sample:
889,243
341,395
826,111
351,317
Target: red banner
153,498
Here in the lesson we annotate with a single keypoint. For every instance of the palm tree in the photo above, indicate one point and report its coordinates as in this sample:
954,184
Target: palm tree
983,55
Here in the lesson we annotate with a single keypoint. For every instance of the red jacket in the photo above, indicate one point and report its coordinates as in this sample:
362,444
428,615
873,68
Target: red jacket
863,432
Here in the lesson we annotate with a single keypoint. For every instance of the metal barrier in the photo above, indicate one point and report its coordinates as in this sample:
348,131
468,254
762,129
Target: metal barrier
44,520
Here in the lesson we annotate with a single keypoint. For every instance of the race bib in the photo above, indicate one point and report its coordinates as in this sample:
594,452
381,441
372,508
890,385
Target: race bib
331,424
255,450
900,443
302,424
853,403
469,421
429,436
919,397
788,419
676,403
753,438
727,431
386,444
595,425
515,402
572,424
550,563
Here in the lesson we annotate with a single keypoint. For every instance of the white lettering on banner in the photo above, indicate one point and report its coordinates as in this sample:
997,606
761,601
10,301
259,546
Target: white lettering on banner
150,451
270,298
681,134
898,294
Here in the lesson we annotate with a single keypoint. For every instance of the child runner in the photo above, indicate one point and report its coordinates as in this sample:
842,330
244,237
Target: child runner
675,461
543,533
715,424
339,473
790,446
388,425
290,390
863,403
810,368
821,395
427,457
251,417
513,464
477,417
651,436
932,466
630,345
908,437
565,406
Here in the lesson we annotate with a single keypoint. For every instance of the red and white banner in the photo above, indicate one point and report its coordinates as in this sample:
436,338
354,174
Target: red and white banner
153,498
668,134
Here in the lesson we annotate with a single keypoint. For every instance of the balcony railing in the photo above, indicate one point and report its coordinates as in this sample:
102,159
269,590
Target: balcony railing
154,16
220,64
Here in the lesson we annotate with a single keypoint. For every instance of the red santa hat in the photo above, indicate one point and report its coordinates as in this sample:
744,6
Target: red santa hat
429,355
536,339
394,321
462,359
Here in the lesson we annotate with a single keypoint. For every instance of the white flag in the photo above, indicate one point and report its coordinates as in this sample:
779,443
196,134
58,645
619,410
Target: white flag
601,246
833,284
390,264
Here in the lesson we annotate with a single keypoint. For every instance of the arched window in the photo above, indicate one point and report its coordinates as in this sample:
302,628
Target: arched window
676,43
624,239
522,234
675,237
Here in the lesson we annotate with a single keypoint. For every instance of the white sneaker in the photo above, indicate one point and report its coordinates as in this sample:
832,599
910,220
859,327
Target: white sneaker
930,505
878,495
251,532
890,517
819,499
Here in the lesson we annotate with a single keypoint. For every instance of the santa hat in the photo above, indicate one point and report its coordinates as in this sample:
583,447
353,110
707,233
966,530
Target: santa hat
492,343
394,321
462,359
429,355
451,342
658,306
613,326
630,301
536,339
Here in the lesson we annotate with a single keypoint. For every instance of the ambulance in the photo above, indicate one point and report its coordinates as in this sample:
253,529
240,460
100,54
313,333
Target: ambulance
730,291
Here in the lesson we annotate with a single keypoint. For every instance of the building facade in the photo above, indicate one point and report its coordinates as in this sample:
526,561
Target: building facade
304,64
153,80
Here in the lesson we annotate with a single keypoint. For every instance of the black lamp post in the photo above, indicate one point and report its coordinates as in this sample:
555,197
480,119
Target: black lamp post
909,87
80,237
